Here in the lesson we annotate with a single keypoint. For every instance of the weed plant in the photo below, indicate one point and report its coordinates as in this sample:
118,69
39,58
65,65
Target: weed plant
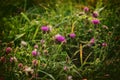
60,43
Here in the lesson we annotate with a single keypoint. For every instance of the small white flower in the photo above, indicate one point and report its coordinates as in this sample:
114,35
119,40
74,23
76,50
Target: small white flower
70,78
23,43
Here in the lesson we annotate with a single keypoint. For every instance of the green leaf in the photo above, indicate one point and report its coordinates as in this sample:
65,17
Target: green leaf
47,74
19,36
25,16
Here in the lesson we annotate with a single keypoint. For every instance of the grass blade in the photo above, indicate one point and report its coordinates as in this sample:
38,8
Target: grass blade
81,59
47,74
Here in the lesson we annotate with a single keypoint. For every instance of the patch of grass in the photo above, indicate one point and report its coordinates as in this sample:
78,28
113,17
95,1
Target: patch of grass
42,46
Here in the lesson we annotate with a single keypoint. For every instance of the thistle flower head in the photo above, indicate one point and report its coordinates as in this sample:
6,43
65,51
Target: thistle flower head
72,35
45,28
104,44
8,50
95,14
95,21
86,9
92,41
20,65
34,53
59,38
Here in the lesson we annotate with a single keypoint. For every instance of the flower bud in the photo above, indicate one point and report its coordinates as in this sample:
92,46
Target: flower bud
95,14
35,62
34,53
20,65
92,41
104,44
8,50
70,78
13,59
36,46
42,41
2,59
65,68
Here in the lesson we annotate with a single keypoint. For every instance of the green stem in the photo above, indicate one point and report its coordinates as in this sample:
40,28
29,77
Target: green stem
35,33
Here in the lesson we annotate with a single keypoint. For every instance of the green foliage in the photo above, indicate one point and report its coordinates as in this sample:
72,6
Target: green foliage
75,57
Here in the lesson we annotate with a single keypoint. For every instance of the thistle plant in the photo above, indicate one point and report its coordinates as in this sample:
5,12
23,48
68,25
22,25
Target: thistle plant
56,44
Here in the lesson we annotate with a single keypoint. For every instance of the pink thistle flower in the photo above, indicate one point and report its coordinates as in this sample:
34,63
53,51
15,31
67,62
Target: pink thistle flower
59,38
8,50
95,21
34,53
45,28
20,65
11,59
95,14
72,35
104,44
92,41
86,9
